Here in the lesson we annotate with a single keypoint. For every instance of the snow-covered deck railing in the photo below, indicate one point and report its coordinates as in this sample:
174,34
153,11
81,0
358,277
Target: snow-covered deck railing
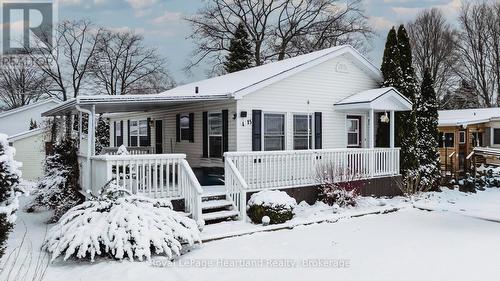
152,175
283,169
236,187
130,149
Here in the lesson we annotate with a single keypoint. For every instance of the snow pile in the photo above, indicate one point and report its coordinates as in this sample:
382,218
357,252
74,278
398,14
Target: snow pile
122,150
10,175
122,226
272,198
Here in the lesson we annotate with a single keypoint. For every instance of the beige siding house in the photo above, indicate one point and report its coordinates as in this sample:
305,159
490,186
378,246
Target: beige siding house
268,127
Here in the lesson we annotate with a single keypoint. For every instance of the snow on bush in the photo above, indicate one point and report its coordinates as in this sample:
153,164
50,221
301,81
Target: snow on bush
122,150
275,204
121,225
338,186
10,175
58,189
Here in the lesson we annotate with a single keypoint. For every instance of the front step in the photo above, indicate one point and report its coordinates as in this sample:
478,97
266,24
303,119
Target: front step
219,216
216,207
215,204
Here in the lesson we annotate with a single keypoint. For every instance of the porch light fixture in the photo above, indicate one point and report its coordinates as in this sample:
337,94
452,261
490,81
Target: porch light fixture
384,118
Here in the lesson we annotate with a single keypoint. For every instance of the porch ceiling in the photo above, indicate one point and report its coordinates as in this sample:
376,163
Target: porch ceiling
128,103
383,99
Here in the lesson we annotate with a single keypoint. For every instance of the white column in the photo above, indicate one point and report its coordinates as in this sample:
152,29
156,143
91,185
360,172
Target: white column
91,129
372,128
392,130
80,131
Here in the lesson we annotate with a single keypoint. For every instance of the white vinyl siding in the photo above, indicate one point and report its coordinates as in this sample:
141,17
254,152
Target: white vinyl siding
313,90
31,152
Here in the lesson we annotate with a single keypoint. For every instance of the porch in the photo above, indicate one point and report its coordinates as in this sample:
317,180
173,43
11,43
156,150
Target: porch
154,170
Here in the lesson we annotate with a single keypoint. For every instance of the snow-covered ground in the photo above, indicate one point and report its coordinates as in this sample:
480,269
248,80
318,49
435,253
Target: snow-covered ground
410,244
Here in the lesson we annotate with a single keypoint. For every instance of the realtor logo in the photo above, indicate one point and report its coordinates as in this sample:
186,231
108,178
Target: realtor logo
26,25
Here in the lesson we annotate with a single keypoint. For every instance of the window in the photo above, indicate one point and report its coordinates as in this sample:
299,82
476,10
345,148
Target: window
215,135
274,132
461,137
118,133
302,132
477,139
353,132
446,139
496,136
139,133
184,127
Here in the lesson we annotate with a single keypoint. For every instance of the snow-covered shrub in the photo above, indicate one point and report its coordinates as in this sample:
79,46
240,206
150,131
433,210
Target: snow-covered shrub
101,134
338,186
120,225
9,179
275,204
122,150
58,189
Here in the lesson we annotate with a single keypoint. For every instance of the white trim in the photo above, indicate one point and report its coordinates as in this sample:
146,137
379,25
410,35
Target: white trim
310,133
359,132
285,129
221,135
138,131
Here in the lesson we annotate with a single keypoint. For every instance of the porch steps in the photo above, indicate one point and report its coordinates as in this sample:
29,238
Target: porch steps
215,207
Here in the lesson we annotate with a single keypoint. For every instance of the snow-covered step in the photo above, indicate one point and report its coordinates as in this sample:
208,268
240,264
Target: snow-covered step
219,215
215,204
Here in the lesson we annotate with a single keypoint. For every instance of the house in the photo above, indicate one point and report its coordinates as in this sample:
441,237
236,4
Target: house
465,130
29,144
211,143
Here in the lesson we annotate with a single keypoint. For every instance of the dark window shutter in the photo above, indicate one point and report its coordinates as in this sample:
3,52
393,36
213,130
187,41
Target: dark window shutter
225,133
120,141
318,130
256,130
115,143
178,128
148,141
205,134
128,132
191,127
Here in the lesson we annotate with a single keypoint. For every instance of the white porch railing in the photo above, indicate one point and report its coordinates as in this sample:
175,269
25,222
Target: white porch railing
134,150
281,169
152,175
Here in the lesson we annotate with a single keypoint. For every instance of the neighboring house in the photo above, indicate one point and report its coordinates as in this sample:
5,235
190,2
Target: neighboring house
462,130
272,126
29,144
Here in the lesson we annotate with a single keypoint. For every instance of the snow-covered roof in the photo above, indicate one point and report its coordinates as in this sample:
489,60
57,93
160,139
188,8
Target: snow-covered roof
29,106
464,117
243,82
25,134
378,99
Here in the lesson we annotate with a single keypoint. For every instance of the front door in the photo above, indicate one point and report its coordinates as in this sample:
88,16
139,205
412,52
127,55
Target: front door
354,131
159,136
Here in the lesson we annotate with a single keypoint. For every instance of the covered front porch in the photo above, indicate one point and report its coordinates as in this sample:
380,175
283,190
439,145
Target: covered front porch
159,171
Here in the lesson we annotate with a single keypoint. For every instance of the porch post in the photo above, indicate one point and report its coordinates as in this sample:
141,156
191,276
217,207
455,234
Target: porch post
92,130
80,132
392,124
372,128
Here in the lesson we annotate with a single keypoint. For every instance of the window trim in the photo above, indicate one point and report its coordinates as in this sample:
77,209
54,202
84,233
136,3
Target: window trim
211,135
358,119
311,129
118,130
460,134
263,129
445,141
138,132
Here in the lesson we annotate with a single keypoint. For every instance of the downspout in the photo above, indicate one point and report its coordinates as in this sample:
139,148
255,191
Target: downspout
89,144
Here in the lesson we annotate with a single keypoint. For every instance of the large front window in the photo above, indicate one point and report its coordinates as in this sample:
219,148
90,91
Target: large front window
302,132
139,133
446,139
215,135
274,131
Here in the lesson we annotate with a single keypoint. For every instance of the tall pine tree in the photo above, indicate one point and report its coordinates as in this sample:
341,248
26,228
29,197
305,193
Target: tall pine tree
240,51
406,126
427,124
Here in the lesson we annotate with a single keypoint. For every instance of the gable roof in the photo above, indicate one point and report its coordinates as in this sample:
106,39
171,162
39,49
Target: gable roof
464,117
29,106
240,83
379,99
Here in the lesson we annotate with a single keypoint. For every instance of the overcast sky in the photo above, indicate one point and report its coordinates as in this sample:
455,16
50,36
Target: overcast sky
161,22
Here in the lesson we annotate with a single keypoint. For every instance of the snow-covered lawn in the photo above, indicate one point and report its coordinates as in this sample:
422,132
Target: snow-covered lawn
409,244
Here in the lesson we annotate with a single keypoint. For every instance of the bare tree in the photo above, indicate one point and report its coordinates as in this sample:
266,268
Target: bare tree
478,49
433,46
277,29
67,64
22,83
124,65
